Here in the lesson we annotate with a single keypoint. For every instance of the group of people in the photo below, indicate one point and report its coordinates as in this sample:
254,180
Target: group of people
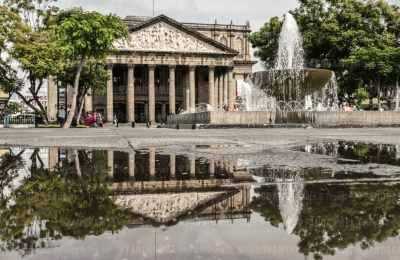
93,119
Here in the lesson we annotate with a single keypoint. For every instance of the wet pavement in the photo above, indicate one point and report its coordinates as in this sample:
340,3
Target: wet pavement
200,201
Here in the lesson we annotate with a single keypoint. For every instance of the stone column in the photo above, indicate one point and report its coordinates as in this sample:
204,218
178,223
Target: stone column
163,111
152,162
192,87
220,92
131,165
192,165
152,98
110,95
89,101
130,101
211,168
52,100
226,86
211,86
110,164
53,158
146,111
216,90
172,165
172,105
231,90
187,97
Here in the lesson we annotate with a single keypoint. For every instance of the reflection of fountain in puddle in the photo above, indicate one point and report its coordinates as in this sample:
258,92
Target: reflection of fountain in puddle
291,196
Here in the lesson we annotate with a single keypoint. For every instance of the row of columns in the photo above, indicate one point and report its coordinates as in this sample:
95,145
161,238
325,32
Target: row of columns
222,91
172,164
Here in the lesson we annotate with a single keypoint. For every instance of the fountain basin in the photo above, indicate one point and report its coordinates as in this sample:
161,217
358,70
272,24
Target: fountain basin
291,85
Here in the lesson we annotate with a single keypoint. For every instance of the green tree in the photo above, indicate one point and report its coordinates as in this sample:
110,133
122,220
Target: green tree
40,57
10,26
86,36
93,80
267,41
335,31
34,48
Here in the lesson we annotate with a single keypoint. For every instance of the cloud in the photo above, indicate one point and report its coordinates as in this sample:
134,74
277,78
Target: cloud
239,11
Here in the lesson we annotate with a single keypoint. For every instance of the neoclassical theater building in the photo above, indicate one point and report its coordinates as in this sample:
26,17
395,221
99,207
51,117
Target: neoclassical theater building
167,67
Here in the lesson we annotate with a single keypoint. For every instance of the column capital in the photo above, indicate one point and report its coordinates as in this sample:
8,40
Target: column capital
152,66
211,67
131,65
110,66
192,67
172,66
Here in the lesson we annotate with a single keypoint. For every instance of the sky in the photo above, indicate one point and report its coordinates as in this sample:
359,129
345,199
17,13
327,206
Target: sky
205,11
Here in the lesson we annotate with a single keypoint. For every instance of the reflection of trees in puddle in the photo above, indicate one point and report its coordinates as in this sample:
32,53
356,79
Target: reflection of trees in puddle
363,152
50,204
68,193
335,217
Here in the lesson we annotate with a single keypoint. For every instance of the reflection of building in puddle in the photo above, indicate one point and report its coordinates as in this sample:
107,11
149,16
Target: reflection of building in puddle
164,208
158,187
149,171
168,208
165,187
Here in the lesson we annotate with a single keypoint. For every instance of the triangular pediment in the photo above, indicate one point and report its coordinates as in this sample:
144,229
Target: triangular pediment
164,208
162,34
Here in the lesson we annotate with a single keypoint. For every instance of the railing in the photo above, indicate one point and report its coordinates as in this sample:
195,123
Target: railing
16,121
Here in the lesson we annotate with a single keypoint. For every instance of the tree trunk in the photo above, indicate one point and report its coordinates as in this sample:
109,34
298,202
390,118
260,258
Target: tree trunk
82,102
379,95
71,114
77,164
35,109
34,89
397,95
370,95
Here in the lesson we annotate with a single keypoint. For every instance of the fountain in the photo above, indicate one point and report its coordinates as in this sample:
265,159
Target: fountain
288,95
289,86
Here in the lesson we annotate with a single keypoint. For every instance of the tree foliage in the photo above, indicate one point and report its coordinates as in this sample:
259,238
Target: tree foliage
354,38
335,217
85,36
55,203
32,47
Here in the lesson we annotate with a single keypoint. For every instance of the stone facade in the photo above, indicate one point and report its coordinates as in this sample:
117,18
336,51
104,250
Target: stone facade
165,67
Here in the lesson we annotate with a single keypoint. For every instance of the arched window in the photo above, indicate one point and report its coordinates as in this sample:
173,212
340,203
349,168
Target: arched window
223,40
239,45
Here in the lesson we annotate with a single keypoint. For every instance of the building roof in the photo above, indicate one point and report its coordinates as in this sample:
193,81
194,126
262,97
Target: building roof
139,23
133,21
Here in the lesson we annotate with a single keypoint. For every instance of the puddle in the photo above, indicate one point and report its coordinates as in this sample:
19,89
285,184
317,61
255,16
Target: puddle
80,204
272,175
355,152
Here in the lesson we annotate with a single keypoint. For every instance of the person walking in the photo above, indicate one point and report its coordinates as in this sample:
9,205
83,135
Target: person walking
61,116
115,121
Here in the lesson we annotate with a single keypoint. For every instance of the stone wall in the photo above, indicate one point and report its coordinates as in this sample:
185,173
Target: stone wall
341,119
223,118
316,119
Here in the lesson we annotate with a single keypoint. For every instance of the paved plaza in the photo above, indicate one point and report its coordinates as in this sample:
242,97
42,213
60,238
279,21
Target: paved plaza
126,138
